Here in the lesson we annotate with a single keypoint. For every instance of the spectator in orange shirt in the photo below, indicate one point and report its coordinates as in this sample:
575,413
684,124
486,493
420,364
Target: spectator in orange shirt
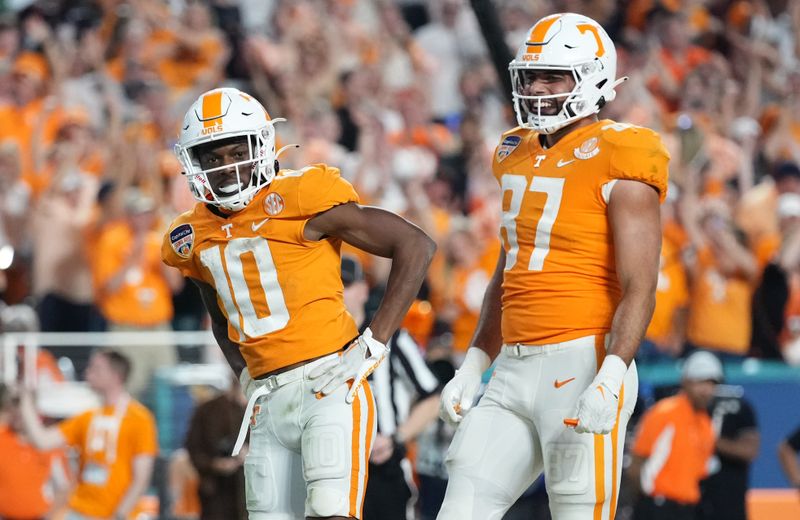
116,444
674,443
32,483
723,276
134,289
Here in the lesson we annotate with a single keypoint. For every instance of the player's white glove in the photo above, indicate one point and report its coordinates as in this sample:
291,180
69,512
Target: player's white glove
354,364
459,393
247,383
597,405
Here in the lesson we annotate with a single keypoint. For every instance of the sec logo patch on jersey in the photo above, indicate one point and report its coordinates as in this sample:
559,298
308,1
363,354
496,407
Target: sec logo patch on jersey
273,204
508,145
182,240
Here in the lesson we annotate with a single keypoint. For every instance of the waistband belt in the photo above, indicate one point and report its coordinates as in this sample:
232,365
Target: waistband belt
520,350
268,385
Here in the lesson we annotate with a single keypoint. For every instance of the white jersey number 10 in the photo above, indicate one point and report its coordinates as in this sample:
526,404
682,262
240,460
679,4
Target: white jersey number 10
239,303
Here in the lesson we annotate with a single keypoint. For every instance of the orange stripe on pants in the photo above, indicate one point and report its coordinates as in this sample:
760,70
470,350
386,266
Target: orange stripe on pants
358,460
614,451
599,475
355,459
599,442
368,443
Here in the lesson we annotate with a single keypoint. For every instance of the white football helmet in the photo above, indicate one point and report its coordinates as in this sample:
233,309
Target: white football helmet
565,42
220,114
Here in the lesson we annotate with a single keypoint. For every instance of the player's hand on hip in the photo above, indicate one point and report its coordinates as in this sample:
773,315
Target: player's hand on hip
354,364
598,405
459,393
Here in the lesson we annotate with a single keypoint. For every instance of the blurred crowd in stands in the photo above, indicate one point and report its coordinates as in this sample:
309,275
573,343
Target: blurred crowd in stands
402,96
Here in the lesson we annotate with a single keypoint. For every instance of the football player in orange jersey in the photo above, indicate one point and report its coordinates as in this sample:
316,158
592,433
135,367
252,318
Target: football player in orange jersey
263,245
572,293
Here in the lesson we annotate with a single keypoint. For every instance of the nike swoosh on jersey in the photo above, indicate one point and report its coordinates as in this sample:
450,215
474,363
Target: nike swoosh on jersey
561,162
257,225
559,384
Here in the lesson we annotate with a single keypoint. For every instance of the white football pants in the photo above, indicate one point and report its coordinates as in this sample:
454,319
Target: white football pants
517,431
308,456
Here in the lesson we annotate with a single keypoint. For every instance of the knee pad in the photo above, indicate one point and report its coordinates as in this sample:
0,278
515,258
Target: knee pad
323,501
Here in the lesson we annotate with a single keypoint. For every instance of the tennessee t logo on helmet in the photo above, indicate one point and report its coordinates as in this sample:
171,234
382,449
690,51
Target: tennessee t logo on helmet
572,43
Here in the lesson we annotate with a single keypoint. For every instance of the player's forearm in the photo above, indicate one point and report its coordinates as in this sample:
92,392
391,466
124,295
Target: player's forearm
229,349
488,333
630,322
410,260
636,223
219,327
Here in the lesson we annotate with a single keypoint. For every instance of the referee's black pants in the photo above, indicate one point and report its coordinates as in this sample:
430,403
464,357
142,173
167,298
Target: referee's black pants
387,492
659,508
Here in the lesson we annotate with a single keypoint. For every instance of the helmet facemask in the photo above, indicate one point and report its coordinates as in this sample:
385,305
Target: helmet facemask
252,174
587,97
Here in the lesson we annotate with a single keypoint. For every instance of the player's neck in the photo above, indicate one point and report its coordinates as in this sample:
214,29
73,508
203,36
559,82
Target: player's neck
550,140
219,211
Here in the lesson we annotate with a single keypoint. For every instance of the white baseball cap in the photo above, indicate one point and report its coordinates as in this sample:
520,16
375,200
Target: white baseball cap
702,366
789,205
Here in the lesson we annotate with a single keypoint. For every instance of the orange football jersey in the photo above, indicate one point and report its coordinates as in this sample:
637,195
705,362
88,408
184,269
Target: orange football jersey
281,293
560,279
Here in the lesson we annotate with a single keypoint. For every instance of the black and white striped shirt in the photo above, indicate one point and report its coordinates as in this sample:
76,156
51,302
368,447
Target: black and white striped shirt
400,381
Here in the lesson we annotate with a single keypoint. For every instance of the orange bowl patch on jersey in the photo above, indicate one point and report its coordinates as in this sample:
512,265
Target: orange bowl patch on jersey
508,145
588,149
182,240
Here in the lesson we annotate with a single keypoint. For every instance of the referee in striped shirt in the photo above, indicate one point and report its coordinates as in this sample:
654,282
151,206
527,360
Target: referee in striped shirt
407,400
